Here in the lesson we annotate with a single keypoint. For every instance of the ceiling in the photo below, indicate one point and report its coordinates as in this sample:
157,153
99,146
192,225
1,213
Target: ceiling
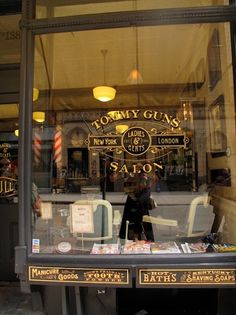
71,64
58,8
68,65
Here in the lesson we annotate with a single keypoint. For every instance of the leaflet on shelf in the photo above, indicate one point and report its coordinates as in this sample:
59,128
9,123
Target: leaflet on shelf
101,249
136,247
192,248
169,247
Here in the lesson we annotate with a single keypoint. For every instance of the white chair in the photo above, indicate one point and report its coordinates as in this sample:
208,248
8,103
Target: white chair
199,220
200,217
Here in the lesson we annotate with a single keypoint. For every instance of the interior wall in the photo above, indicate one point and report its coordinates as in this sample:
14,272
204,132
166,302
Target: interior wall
224,197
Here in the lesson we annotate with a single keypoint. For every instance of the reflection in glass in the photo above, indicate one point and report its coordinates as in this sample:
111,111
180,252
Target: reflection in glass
86,153
47,9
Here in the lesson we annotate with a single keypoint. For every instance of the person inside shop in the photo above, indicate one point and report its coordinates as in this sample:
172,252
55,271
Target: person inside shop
158,183
36,202
6,168
138,188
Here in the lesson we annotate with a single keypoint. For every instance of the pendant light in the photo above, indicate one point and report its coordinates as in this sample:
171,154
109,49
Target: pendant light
185,112
39,116
135,76
104,93
120,129
35,94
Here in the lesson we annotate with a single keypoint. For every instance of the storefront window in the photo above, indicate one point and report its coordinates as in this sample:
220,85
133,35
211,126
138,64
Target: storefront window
8,154
155,163
51,8
10,37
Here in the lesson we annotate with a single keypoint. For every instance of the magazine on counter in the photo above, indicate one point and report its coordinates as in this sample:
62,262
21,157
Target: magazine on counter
192,248
136,247
224,248
169,247
105,249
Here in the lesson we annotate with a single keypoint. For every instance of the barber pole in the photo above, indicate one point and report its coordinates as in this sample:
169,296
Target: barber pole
58,147
37,146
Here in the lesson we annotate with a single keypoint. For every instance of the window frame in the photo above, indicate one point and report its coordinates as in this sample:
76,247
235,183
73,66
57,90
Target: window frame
31,27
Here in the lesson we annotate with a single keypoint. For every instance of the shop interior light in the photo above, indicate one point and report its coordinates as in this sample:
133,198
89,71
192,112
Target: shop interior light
16,132
135,76
39,116
104,93
35,94
185,113
121,128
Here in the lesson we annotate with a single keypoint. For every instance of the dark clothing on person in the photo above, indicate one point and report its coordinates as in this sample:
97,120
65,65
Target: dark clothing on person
137,205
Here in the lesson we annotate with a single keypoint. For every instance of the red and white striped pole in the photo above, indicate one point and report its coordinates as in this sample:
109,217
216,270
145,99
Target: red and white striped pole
37,146
58,147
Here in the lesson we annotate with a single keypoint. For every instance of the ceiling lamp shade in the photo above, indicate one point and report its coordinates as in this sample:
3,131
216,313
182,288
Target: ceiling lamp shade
39,116
135,77
104,93
35,94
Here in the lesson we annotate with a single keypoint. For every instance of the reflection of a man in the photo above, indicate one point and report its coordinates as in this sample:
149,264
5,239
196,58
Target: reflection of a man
5,167
36,201
138,187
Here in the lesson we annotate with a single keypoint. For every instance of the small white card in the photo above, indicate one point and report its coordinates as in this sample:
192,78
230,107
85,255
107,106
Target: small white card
46,209
81,218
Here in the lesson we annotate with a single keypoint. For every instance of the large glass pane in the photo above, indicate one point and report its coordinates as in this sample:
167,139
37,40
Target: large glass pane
8,188
8,153
9,113
57,8
154,164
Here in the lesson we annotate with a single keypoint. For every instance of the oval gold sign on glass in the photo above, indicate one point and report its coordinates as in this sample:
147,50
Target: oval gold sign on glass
136,141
